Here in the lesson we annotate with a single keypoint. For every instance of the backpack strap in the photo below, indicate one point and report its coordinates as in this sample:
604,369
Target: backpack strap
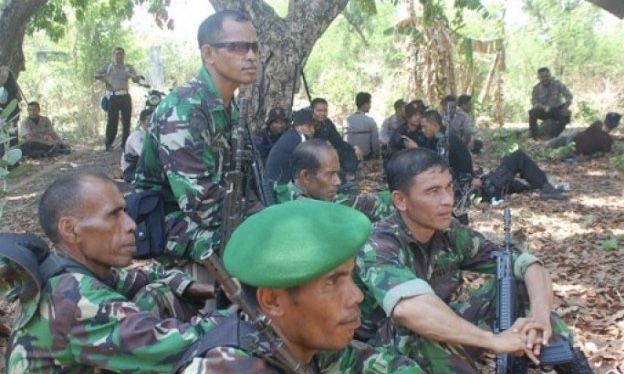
226,334
56,264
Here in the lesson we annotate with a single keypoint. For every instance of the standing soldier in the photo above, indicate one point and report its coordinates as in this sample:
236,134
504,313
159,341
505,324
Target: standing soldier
115,75
187,146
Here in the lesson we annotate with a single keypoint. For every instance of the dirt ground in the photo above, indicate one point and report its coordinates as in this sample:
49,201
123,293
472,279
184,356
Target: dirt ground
581,241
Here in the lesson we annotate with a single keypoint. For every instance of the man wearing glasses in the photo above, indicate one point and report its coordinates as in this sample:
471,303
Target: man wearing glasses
187,144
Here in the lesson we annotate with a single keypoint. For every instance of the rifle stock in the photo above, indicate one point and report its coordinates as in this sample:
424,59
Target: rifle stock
506,313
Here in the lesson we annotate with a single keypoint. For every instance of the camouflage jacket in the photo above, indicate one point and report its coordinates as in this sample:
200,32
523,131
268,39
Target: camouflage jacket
85,324
393,265
356,358
375,206
185,153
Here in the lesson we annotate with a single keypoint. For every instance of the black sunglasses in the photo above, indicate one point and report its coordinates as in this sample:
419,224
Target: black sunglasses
239,48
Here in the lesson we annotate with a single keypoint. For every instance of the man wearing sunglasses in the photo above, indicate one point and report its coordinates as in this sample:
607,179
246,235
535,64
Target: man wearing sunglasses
187,145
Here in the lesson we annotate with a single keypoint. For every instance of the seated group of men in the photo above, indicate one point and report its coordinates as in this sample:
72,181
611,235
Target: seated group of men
322,288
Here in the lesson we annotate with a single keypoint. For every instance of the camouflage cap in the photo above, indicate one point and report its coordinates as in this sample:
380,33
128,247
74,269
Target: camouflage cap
289,244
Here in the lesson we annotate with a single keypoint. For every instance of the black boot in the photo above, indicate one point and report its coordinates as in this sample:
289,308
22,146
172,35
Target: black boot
579,365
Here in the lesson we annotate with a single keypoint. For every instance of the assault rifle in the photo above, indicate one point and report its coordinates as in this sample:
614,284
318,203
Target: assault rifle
270,346
506,313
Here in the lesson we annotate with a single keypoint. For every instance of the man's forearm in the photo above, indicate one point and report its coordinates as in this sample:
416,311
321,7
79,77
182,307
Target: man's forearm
540,291
428,316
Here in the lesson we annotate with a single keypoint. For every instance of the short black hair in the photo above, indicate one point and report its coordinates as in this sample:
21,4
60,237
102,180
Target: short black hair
406,164
463,99
317,101
119,49
307,156
433,116
362,98
399,104
543,70
211,28
449,98
34,103
145,113
63,197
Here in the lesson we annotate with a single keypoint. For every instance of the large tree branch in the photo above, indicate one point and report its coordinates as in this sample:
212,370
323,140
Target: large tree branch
14,16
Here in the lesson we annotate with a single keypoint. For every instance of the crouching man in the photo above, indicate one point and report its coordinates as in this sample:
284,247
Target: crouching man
411,272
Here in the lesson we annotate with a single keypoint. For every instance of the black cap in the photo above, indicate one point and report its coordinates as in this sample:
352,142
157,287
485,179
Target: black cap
275,114
302,117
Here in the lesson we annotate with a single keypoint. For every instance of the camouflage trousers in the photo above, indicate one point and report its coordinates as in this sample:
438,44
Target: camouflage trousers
477,306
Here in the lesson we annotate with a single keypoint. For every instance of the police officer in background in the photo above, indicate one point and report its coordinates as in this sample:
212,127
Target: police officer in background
116,75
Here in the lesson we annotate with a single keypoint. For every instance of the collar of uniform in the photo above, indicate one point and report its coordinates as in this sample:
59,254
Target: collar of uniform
296,191
404,233
205,77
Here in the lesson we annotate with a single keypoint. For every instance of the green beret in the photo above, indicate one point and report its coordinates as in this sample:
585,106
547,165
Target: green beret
289,244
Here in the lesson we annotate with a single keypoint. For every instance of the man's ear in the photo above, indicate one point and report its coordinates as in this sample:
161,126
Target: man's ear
67,229
207,53
271,301
303,177
399,199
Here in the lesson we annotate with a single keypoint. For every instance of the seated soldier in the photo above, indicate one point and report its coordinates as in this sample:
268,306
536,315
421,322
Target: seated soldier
315,175
266,137
391,123
349,155
499,182
547,105
90,316
294,262
38,136
134,144
278,167
410,133
411,272
594,140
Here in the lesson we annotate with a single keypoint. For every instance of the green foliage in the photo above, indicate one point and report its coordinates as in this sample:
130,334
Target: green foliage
611,244
586,113
10,156
556,154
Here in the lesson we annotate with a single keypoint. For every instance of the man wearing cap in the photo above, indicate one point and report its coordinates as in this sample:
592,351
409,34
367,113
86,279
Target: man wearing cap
411,272
546,102
294,262
315,176
278,165
594,140
116,75
267,136
362,130
187,146
392,122
326,130
85,314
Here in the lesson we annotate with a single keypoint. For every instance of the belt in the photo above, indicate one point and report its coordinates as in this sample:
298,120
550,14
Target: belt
117,93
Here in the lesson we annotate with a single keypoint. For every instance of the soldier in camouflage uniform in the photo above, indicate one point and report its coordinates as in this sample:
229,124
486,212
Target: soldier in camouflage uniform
411,272
81,318
315,165
308,295
187,145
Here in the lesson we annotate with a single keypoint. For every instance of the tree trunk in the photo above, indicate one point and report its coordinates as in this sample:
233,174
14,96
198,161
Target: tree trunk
285,45
14,16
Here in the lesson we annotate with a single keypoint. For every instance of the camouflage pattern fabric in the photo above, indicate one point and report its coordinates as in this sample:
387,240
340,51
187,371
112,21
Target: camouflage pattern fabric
394,266
85,324
375,206
185,153
356,358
